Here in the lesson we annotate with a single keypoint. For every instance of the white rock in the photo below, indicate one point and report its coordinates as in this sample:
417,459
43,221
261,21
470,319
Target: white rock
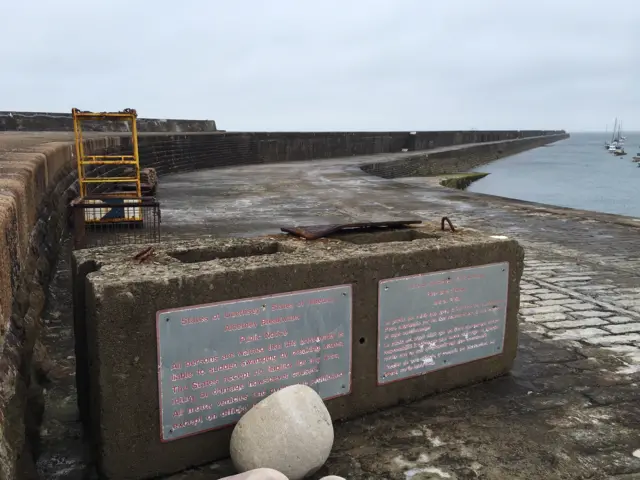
333,477
258,474
290,431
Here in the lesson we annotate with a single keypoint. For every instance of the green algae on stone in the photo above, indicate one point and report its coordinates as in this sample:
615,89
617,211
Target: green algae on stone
461,181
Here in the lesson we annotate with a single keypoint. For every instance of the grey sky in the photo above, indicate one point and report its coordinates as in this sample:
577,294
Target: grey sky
330,65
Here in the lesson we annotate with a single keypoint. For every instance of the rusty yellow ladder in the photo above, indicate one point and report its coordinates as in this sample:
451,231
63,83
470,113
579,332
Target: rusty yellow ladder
83,160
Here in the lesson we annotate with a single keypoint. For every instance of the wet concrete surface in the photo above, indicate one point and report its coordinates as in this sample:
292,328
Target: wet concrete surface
569,410
259,199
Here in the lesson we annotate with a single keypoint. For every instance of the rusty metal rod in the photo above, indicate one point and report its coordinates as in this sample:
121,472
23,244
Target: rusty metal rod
142,254
446,219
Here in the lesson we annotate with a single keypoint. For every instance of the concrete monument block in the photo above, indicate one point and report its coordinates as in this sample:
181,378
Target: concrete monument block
178,348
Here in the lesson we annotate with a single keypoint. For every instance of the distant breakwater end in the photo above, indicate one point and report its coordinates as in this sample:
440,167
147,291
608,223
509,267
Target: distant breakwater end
456,159
461,181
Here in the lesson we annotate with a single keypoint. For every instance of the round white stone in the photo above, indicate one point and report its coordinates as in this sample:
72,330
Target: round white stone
289,431
333,477
258,474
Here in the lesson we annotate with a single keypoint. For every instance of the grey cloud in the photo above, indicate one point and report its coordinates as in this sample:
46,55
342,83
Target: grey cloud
357,64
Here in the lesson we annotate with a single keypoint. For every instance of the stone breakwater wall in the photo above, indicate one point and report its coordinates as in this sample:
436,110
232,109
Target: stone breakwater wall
63,122
173,153
37,182
455,161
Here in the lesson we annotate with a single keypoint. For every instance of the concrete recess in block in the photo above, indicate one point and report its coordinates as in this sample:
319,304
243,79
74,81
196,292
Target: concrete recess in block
171,352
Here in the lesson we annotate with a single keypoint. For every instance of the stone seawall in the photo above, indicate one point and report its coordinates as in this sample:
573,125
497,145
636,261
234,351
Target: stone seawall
173,153
36,185
177,153
37,181
455,161
63,122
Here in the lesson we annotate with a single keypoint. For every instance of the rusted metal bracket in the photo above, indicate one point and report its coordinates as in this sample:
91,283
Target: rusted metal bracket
143,254
314,232
446,219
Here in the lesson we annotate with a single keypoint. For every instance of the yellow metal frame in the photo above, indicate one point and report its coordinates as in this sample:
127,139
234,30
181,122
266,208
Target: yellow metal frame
129,115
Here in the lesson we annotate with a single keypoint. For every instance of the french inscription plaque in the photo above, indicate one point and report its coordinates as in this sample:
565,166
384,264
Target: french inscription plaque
438,320
216,361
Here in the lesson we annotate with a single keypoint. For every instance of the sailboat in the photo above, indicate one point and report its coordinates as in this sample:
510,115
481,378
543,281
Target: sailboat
616,146
611,145
621,138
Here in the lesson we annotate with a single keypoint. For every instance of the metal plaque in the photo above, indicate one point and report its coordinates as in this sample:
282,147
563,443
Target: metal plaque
438,320
216,361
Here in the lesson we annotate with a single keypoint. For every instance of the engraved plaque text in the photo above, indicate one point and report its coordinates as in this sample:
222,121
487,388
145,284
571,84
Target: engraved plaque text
216,361
438,320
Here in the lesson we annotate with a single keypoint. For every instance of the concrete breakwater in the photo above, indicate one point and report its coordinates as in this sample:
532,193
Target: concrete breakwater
455,160
178,153
171,153
37,180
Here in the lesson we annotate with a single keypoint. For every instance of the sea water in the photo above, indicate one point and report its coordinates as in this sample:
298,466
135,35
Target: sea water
576,173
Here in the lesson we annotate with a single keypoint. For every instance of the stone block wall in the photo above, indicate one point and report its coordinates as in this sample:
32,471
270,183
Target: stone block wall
172,153
63,122
37,181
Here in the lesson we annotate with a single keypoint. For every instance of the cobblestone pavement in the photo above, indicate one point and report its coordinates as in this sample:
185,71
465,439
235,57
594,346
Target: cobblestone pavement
569,410
561,301
581,283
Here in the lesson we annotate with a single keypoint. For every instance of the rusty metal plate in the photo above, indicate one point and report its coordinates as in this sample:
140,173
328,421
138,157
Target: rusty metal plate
216,361
438,320
313,232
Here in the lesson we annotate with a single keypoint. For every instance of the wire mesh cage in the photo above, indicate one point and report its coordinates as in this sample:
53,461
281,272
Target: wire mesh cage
99,221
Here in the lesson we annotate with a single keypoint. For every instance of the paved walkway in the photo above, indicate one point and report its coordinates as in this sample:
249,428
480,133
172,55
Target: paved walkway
570,409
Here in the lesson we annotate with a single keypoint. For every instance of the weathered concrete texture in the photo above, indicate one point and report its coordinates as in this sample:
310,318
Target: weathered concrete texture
122,348
36,182
56,122
581,400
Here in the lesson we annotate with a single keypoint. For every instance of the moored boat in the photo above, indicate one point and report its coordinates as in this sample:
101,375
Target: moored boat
616,145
